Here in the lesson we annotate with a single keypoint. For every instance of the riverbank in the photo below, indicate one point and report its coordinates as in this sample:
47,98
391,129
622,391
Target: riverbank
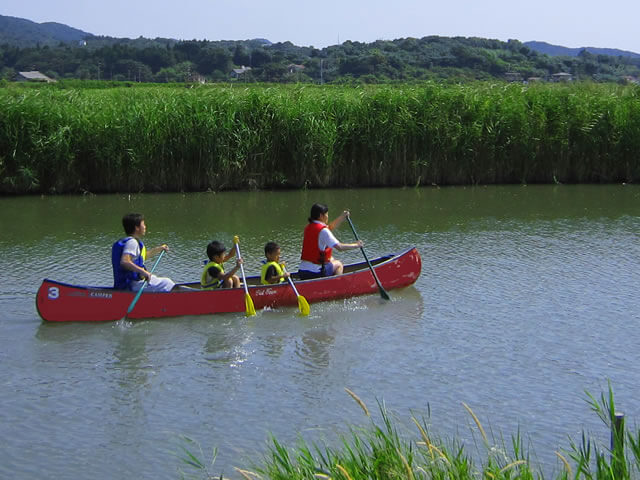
161,139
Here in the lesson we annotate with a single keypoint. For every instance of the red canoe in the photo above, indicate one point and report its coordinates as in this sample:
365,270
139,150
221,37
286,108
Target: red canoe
61,302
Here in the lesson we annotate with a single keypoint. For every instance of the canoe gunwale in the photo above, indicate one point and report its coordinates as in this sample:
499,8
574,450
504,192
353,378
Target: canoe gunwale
99,303
252,281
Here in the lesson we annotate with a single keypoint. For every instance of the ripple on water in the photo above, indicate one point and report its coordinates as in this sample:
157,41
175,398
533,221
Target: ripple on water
515,315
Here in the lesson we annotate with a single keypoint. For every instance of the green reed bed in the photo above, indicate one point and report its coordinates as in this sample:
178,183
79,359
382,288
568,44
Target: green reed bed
385,451
235,137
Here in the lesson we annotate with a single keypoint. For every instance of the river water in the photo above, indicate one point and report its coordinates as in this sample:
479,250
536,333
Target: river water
528,297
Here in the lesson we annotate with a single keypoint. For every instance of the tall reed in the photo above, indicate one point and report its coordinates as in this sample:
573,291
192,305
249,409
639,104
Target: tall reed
240,137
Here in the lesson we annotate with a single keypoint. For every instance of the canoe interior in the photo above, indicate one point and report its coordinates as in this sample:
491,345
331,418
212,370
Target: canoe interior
255,280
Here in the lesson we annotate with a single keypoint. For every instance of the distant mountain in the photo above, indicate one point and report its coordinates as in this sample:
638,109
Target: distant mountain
556,50
25,33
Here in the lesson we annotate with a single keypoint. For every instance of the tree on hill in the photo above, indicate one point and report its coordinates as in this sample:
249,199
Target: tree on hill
405,59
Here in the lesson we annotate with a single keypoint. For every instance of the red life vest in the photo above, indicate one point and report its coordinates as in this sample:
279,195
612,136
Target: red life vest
310,250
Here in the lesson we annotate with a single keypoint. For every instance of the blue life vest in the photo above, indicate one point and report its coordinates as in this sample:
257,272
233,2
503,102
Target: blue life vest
122,278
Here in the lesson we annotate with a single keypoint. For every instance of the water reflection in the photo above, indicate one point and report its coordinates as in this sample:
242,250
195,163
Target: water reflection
274,345
117,352
131,362
63,332
313,349
227,347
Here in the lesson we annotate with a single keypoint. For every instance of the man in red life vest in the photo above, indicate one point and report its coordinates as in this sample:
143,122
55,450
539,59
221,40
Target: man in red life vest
319,242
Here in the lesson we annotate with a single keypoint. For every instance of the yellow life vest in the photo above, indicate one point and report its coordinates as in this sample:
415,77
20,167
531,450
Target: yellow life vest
265,267
207,282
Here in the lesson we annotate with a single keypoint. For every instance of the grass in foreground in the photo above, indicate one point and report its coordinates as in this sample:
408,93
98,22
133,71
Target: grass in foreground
379,452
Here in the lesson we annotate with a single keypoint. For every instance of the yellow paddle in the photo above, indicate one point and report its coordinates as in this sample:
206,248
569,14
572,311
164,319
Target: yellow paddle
250,309
303,305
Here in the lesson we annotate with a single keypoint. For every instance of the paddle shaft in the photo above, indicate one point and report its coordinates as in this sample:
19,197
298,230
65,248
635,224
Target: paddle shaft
291,282
249,308
295,290
244,280
383,292
144,284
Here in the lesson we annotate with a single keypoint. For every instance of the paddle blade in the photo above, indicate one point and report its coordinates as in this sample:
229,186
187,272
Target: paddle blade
303,305
384,294
248,302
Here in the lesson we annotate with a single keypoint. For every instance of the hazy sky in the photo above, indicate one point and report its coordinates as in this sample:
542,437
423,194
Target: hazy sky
569,23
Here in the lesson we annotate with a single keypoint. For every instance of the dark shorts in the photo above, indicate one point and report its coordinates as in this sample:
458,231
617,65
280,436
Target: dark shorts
326,271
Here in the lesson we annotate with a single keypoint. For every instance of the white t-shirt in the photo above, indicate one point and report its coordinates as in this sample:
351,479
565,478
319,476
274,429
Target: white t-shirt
158,284
326,239
131,247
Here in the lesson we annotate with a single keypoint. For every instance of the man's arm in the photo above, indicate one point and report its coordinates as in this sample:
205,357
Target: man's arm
156,250
126,262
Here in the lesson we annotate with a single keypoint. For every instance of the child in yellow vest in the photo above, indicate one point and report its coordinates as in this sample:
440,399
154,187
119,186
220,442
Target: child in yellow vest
213,275
272,271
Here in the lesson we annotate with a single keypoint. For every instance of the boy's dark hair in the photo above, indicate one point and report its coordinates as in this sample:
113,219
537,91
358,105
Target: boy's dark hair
271,247
317,209
215,248
130,221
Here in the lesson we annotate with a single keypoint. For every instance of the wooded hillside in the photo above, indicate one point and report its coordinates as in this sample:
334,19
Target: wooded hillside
27,46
